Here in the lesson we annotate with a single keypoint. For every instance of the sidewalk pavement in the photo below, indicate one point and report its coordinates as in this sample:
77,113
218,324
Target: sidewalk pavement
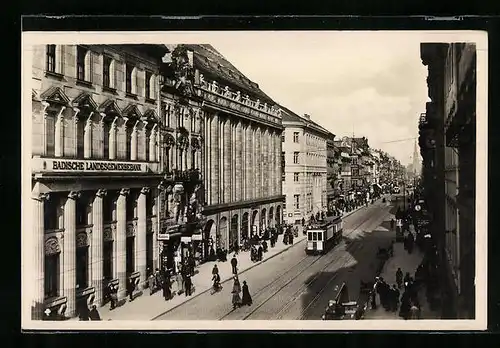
147,307
408,263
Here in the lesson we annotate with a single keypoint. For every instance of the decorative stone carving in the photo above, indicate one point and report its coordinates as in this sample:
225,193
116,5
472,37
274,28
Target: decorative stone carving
131,227
124,191
52,246
74,195
101,192
82,240
177,192
108,235
145,190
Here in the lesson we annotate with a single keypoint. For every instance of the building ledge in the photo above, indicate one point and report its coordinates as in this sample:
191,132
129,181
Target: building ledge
216,208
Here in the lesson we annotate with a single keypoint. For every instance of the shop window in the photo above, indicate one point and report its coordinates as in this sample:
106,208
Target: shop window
130,259
107,258
82,267
51,280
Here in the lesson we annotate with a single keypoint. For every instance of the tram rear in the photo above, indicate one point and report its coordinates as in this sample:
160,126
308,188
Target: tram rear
324,234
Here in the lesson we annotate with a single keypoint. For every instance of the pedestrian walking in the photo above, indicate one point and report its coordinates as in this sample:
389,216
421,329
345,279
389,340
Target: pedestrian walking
130,289
151,284
167,292
180,283
188,284
234,264
236,247
113,296
260,252
246,299
394,298
94,314
399,277
236,300
215,270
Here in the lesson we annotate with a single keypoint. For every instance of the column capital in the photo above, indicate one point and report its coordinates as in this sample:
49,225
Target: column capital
101,192
41,196
124,191
145,190
74,194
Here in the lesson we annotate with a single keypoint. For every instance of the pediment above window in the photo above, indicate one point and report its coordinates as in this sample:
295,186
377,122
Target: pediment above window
110,107
85,101
150,115
132,111
34,95
55,95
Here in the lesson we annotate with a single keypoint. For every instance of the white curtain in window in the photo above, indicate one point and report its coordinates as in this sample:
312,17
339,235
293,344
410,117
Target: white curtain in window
112,74
88,66
134,81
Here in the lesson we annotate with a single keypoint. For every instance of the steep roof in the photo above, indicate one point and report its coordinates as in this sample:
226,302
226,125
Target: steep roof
214,65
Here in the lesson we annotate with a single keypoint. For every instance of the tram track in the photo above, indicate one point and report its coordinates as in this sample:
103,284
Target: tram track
282,281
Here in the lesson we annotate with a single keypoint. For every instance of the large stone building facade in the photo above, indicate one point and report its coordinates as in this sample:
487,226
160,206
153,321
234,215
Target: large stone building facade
241,151
305,167
96,168
448,147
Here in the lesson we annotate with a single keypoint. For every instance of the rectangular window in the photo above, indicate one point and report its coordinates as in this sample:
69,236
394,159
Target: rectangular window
131,204
51,58
309,236
82,267
106,130
128,78
283,138
81,53
354,160
315,236
50,213
50,136
107,208
129,131
296,199
106,72
320,236
80,136
148,138
51,276
148,85
81,212
295,137
295,157
107,260
295,177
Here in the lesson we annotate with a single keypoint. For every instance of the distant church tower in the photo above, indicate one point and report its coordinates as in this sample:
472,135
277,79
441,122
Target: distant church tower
416,160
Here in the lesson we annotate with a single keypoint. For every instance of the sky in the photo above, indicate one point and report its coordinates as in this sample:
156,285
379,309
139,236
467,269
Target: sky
369,84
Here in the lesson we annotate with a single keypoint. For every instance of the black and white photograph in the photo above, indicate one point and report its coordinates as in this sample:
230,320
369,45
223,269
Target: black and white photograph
302,180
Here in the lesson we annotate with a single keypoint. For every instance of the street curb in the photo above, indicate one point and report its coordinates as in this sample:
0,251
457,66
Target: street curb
228,279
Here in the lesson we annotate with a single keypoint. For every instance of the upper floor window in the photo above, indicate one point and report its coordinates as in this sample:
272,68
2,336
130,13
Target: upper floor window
51,58
296,201
149,90
129,70
283,138
295,137
107,80
296,157
82,65
354,160
295,177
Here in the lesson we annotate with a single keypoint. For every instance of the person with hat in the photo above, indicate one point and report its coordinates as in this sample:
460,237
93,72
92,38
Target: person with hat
236,300
246,299
234,264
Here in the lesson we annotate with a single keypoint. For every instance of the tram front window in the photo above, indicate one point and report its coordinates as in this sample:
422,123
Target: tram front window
309,236
315,236
320,236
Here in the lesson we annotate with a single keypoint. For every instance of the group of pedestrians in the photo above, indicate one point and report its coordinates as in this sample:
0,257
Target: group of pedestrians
237,300
164,280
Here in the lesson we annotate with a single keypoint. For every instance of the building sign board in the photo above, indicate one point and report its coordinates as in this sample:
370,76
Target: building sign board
196,237
163,236
185,239
59,165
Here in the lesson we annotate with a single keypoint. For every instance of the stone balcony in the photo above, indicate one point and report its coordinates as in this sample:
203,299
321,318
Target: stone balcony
235,100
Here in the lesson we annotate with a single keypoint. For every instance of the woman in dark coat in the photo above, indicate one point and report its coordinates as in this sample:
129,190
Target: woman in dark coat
246,299
236,300
167,293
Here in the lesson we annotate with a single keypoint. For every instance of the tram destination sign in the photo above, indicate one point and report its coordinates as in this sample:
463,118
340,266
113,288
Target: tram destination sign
90,166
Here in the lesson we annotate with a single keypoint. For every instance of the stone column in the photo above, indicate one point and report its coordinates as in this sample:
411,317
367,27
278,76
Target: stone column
155,222
239,164
121,242
87,138
272,163
248,163
227,161
97,246
265,164
140,254
69,256
258,162
133,143
59,134
152,149
215,160
38,256
278,164
112,140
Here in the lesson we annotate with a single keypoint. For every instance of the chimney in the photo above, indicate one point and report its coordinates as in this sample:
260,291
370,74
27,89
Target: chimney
307,116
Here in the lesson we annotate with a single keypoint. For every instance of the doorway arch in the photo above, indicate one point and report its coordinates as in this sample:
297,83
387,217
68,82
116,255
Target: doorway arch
270,221
263,219
233,232
278,215
209,237
255,222
222,238
244,227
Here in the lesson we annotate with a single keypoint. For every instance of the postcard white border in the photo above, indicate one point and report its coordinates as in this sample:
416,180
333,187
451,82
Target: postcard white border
480,38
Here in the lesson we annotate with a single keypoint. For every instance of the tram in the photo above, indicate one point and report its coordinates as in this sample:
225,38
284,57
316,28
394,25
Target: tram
324,234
